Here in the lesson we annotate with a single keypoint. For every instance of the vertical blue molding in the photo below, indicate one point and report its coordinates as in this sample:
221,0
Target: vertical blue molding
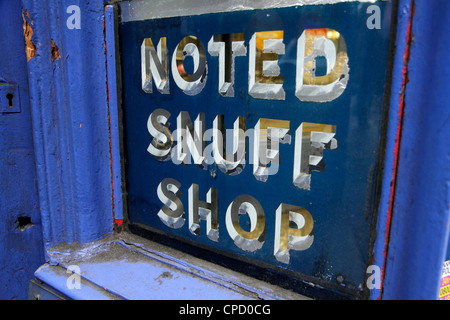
420,225
70,121
393,121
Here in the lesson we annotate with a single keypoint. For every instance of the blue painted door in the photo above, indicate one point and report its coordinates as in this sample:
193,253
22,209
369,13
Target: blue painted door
21,247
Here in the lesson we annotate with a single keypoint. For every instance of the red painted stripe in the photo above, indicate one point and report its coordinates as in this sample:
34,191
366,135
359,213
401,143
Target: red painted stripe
401,108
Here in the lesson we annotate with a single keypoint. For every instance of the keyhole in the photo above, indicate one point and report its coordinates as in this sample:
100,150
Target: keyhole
10,97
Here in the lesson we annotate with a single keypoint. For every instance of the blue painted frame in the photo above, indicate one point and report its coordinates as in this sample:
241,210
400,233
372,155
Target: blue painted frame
417,238
72,119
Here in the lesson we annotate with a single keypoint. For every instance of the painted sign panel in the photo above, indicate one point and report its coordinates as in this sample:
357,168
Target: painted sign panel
258,133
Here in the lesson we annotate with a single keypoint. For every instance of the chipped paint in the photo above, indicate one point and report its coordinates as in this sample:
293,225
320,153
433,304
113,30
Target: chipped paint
30,48
55,51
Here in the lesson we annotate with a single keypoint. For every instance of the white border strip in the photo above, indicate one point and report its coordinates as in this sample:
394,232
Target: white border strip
136,10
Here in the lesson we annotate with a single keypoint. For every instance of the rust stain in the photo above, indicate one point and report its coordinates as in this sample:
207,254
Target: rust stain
55,51
30,48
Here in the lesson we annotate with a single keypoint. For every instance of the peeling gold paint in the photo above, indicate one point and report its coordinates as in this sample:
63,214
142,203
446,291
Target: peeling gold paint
30,48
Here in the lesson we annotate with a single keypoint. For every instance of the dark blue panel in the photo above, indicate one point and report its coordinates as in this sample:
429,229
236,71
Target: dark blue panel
341,199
